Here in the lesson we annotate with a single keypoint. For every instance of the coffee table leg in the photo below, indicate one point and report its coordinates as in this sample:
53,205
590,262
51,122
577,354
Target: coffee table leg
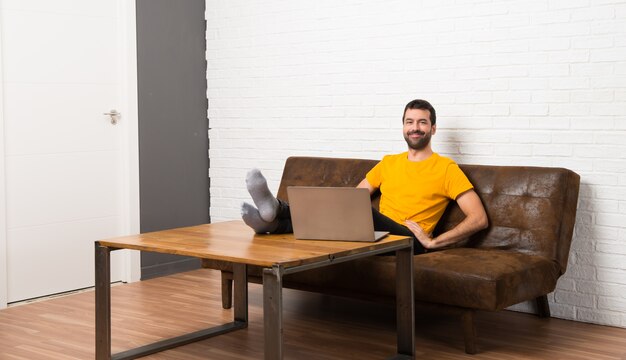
103,302
273,312
405,311
240,280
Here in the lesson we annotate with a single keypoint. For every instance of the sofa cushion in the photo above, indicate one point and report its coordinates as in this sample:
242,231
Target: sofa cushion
483,279
465,277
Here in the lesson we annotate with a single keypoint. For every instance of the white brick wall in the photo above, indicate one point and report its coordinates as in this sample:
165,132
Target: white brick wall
514,83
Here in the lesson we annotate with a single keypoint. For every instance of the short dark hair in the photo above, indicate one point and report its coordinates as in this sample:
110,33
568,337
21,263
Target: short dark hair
422,105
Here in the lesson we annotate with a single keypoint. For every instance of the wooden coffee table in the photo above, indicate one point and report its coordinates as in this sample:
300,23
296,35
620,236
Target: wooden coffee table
279,255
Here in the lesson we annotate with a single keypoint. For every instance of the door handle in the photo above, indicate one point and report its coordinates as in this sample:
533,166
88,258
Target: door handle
115,116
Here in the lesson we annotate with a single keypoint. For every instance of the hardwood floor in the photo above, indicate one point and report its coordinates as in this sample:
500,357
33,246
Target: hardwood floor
316,327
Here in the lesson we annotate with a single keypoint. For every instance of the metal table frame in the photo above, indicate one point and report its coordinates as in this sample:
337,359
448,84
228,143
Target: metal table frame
272,306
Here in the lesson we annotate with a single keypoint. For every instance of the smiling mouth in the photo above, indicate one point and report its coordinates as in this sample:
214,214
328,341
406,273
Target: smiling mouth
416,134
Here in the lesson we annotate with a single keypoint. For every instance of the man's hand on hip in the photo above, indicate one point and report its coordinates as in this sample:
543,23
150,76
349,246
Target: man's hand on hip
424,238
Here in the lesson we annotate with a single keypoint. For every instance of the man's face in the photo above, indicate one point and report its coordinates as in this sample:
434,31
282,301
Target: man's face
417,129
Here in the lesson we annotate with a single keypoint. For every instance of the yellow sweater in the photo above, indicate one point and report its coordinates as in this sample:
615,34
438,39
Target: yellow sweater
418,191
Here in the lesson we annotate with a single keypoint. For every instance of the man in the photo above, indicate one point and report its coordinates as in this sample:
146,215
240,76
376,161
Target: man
416,186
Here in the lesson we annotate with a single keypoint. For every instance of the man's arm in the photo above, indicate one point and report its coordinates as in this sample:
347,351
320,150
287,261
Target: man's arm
364,184
475,220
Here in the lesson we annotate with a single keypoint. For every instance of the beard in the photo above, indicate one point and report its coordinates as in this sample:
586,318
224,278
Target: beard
418,144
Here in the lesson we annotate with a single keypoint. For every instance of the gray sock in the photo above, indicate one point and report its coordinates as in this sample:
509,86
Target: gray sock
252,218
261,195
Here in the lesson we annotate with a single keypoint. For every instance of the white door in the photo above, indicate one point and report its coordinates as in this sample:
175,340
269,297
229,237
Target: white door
70,174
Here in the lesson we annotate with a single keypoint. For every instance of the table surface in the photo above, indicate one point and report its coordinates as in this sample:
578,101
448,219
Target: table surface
235,242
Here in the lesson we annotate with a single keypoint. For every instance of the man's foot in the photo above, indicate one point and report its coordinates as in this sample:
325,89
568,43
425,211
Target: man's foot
252,218
261,195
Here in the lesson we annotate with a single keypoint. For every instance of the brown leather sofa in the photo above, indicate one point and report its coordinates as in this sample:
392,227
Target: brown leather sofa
519,257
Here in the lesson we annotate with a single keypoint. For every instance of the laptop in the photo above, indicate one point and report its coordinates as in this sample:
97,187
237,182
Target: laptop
332,213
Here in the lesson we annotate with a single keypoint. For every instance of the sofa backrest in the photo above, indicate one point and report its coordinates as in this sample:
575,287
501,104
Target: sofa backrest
530,209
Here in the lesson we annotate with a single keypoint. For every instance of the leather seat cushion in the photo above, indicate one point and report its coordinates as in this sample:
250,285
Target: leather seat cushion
482,279
466,277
